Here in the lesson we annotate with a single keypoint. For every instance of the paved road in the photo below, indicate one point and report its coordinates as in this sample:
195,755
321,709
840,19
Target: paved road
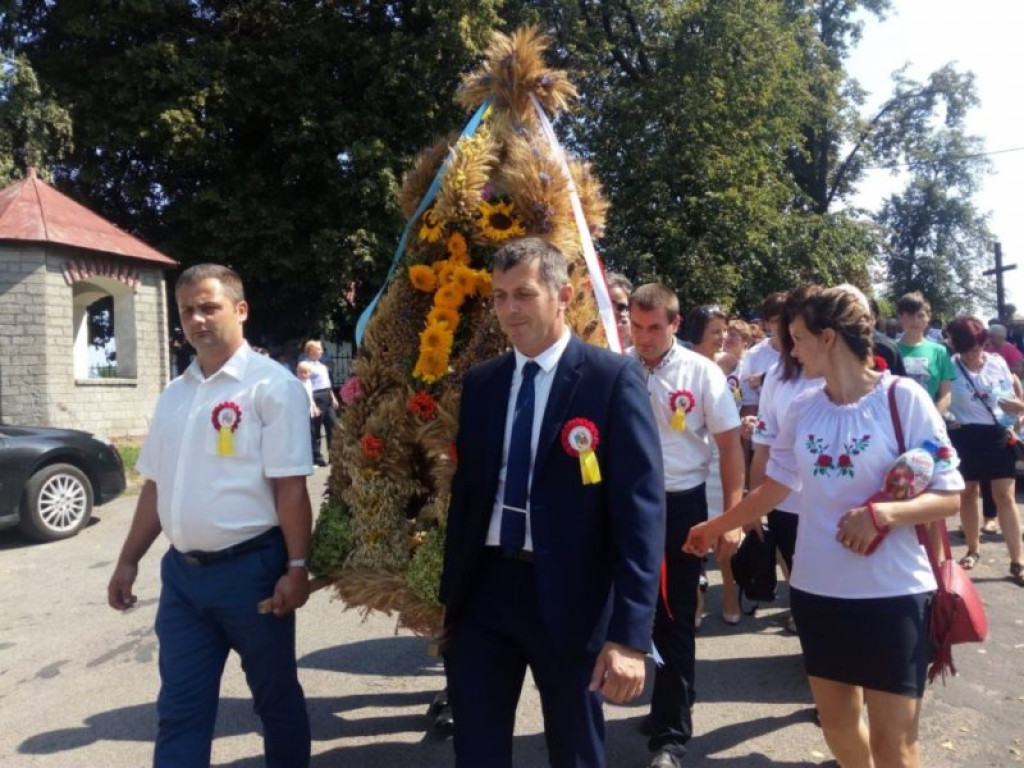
78,681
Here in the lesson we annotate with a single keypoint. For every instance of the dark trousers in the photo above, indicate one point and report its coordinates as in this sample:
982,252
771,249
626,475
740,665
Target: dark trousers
783,526
671,722
328,418
499,635
206,611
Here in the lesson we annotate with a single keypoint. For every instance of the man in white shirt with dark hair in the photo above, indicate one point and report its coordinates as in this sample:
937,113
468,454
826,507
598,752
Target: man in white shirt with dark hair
692,405
225,463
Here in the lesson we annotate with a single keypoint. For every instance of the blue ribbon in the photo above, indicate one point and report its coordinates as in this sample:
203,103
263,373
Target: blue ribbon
428,198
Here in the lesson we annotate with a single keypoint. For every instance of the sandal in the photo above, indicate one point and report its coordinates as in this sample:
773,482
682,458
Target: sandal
968,561
1017,574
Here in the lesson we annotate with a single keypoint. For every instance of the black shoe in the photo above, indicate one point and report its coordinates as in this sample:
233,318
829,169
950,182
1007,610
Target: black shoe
665,758
320,461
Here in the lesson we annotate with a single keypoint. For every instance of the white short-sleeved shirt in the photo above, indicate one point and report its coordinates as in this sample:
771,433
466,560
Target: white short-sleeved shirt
207,501
319,376
777,395
758,359
994,382
711,409
838,456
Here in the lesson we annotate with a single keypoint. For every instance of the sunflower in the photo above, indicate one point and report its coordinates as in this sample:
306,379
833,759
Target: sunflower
499,221
458,251
445,316
436,336
465,279
483,282
430,227
450,296
446,273
431,366
422,278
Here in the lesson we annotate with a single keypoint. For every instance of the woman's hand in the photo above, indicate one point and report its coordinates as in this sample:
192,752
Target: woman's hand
857,530
1011,405
699,541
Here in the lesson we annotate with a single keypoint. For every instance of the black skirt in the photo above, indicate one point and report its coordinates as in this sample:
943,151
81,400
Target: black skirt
984,454
882,644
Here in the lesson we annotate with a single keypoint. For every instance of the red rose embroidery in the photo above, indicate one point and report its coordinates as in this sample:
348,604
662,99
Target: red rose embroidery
845,461
824,460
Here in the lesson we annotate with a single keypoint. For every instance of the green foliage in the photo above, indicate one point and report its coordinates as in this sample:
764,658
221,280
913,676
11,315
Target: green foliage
270,136
332,538
424,574
35,131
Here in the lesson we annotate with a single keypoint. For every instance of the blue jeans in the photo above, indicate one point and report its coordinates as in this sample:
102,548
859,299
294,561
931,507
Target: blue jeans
206,611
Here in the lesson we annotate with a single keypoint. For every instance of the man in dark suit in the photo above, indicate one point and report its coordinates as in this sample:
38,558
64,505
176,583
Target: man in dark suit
555,528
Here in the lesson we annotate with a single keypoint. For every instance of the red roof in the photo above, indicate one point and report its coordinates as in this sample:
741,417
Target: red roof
32,210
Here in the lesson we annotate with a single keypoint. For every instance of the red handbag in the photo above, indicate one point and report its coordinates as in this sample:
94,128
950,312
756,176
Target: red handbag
958,615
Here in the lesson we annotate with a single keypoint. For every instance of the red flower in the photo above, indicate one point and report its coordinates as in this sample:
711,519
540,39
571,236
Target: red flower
423,405
944,452
824,460
372,446
845,460
880,364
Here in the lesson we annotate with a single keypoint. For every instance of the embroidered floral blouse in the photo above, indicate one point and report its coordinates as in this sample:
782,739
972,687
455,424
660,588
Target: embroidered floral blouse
838,456
777,395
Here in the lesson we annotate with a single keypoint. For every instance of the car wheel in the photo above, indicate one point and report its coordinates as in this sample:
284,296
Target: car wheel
56,504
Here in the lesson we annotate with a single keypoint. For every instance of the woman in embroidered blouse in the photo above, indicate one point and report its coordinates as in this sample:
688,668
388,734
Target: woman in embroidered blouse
863,619
983,405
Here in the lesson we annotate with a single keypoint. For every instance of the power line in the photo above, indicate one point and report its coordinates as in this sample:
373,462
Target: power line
953,157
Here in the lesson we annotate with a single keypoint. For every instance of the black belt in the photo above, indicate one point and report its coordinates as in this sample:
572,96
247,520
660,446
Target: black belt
519,555
230,553
324,389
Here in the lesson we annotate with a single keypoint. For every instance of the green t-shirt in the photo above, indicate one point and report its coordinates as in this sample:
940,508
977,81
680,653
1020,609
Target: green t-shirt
928,364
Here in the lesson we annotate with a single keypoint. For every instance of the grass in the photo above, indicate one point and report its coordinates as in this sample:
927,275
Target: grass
129,455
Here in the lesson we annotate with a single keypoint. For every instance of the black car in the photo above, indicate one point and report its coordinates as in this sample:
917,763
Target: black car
50,479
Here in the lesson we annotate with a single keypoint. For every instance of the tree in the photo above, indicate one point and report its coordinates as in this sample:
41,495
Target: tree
35,131
690,111
270,136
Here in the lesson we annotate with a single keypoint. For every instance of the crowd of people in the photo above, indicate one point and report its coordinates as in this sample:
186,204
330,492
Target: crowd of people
591,488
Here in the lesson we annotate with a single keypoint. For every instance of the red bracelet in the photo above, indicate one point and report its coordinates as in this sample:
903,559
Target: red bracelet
874,520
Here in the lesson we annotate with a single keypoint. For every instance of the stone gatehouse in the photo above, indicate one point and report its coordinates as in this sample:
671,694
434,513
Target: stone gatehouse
83,317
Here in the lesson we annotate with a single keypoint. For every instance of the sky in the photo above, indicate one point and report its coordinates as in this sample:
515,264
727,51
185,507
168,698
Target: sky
982,37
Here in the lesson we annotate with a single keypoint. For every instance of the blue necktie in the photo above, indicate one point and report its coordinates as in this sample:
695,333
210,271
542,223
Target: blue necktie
517,470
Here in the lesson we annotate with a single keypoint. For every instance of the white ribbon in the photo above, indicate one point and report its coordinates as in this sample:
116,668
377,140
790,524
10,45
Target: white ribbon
604,300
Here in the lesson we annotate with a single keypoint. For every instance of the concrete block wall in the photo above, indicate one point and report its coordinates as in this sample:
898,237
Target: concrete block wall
37,381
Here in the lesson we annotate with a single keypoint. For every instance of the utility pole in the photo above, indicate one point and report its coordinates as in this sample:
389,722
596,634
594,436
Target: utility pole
1000,268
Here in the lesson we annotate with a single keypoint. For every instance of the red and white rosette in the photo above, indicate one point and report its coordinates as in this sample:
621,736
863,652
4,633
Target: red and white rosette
580,439
225,419
680,403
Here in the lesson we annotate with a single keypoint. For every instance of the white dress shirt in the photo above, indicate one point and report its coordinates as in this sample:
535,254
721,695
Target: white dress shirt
542,381
207,501
687,454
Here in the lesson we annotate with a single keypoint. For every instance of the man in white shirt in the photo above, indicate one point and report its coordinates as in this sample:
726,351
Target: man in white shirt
323,397
692,402
225,463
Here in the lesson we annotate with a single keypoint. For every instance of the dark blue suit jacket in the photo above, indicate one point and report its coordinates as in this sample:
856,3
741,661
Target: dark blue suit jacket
597,548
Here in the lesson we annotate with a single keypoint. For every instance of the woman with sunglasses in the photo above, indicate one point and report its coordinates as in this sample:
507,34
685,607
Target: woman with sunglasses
705,328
